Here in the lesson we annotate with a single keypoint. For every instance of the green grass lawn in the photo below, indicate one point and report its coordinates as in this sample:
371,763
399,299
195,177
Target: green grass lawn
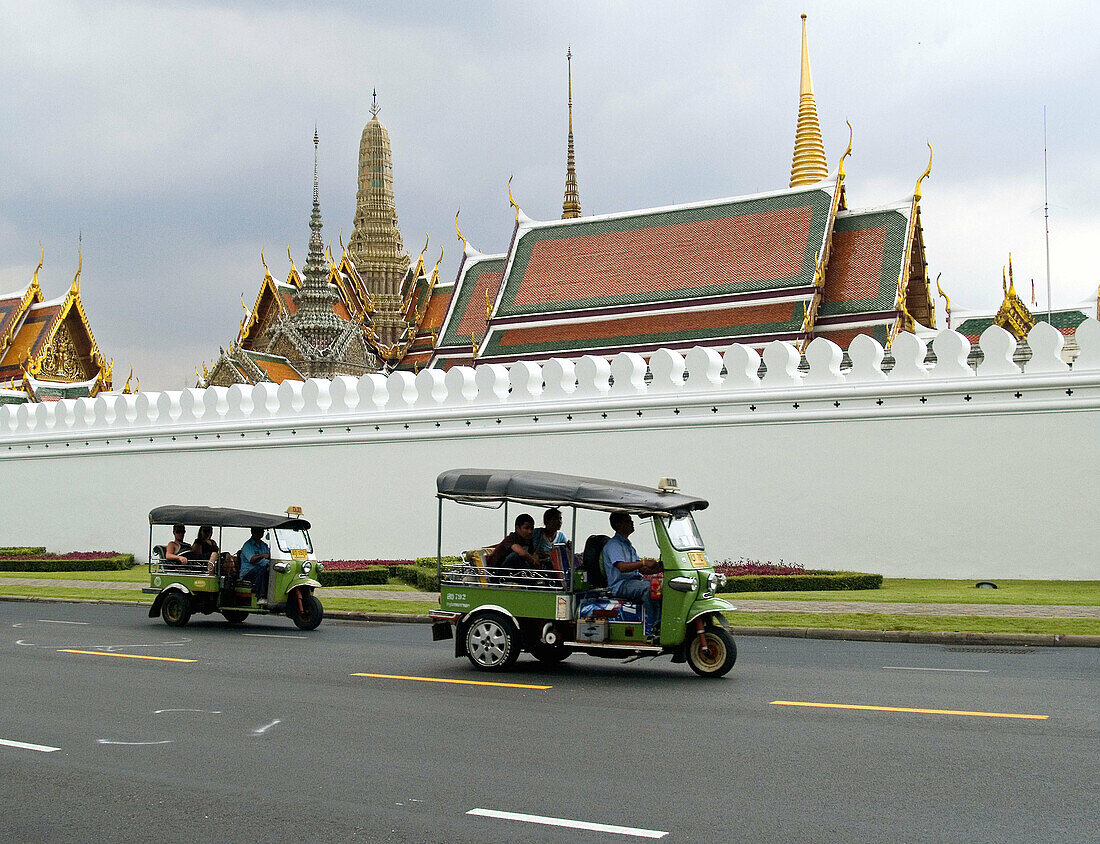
877,621
137,574
915,591
76,592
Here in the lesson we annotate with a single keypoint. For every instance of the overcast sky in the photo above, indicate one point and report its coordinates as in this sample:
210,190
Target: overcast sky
178,136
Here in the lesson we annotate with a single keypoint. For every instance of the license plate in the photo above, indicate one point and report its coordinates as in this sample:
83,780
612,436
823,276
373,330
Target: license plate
299,554
698,559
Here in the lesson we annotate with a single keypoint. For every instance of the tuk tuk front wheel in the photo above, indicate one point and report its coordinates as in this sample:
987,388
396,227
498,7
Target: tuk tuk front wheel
235,616
311,613
176,609
492,642
720,654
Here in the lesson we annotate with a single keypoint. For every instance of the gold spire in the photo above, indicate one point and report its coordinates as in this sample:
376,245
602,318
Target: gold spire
946,299
808,164
571,206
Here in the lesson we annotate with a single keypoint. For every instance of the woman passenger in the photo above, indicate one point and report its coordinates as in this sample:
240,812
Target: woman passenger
205,548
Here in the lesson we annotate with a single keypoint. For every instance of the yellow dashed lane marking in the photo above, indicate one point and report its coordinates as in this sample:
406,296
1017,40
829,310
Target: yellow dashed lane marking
126,656
907,709
445,680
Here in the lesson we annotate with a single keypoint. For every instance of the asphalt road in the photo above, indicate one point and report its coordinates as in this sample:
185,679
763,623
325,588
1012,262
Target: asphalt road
268,734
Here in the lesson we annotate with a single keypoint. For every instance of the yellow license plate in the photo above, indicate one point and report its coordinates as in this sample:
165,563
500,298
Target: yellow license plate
299,554
698,559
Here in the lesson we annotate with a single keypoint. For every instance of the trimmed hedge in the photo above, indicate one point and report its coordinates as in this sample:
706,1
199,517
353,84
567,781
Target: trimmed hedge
23,551
811,581
355,577
119,562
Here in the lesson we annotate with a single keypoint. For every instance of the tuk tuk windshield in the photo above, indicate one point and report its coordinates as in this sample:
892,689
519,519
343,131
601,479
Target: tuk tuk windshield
293,540
682,533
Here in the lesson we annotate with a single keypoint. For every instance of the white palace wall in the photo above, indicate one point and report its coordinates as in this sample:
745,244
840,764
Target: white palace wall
922,472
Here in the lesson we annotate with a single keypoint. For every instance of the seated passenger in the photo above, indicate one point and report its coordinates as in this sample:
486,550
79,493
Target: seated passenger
515,551
626,570
177,547
546,537
255,556
205,548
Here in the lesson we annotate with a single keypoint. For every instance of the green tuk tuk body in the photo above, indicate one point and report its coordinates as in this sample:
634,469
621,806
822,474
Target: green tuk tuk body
548,613
204,587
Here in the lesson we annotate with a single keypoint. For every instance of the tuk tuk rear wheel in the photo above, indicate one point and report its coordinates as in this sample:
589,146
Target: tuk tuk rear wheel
311,614
492,642
722,652
176,609
235,616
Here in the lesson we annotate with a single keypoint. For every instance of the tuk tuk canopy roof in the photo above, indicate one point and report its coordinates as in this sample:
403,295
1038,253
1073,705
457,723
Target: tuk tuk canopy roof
223,517
547,489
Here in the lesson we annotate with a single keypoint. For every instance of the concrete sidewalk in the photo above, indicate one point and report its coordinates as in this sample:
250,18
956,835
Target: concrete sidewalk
866,607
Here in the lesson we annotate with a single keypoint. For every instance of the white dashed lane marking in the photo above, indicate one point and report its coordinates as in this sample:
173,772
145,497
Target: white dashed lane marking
572,824
919,668
23,745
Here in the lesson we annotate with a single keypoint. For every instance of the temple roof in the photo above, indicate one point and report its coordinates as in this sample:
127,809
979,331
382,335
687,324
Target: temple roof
275,367
474,290
740,268
1065,320
868,253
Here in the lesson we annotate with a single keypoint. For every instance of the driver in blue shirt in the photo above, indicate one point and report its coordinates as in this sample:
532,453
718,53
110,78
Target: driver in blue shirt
255,557
626,570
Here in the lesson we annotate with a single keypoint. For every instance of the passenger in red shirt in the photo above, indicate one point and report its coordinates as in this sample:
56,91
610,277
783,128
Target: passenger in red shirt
517,550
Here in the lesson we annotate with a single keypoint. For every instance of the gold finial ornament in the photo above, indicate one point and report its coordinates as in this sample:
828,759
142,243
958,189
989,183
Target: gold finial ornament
847,152
473,345
946,300
511,199
808,164
41,258
488,306
927,172
571,205
458,230
267,270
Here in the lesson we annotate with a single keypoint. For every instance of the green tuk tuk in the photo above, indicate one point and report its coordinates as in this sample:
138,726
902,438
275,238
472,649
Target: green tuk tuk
563,608
200,585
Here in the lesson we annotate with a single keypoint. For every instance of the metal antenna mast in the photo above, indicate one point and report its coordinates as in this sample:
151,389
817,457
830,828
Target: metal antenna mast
1046,212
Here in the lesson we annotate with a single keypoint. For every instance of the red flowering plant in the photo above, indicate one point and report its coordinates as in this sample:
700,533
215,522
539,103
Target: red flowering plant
356,565
72,555
743,566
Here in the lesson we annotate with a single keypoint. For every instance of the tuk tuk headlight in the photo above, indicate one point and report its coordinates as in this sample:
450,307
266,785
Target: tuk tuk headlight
683,583
712,584
320,567
307,567
281,566
722,580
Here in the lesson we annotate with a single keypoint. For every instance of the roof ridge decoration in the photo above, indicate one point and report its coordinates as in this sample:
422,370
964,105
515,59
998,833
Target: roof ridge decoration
905,321
946,299
821,261
1013,315
808,163
31,295
571,205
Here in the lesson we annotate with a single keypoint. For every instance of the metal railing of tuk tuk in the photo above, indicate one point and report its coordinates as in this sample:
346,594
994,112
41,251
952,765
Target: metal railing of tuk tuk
469,573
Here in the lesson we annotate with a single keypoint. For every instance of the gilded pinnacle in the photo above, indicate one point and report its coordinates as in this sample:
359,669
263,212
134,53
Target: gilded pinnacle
808,164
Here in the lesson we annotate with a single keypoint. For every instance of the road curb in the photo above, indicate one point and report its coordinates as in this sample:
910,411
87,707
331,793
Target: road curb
917,637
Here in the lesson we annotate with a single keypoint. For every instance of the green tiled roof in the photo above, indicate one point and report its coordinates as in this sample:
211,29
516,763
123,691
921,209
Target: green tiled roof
461,302
896,227
818,201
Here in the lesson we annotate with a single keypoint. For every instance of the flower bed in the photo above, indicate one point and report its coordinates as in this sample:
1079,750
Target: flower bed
41,554
355,565
101,562
738,568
